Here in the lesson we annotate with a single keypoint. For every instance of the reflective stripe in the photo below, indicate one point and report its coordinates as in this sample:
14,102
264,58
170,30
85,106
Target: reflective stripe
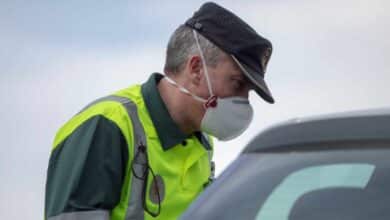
106,98
135,208
84,215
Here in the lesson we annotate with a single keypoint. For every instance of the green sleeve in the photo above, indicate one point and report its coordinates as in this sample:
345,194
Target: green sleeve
87,169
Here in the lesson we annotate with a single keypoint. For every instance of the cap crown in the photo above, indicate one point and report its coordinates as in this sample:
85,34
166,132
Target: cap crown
233,35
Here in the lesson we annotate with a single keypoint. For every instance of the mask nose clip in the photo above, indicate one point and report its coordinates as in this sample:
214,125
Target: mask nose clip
211,102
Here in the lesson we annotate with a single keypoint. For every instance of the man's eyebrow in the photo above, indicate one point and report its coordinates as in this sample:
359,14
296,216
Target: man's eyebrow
242,78
238,75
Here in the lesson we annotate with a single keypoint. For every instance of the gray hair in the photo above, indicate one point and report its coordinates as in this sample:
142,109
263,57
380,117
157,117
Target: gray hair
182,44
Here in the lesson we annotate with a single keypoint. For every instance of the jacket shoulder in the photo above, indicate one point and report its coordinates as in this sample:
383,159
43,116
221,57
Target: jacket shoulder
108,108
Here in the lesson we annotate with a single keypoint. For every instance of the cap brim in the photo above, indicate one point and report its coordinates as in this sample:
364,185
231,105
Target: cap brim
257,80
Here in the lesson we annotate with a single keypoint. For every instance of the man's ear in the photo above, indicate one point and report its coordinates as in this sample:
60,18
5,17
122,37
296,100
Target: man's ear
195,68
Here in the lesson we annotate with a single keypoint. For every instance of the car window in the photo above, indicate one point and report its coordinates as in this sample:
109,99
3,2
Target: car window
342,182
280,202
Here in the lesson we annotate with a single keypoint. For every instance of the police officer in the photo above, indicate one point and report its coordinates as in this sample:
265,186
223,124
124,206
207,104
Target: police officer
145,152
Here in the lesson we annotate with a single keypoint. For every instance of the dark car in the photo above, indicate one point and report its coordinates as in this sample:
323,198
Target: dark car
334,167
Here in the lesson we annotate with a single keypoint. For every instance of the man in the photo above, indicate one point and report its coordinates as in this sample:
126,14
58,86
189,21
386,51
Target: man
145,152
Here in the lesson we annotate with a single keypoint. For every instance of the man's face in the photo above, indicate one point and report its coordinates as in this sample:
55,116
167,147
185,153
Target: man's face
227,80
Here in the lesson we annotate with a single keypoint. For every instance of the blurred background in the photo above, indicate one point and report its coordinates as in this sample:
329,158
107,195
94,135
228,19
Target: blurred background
57,56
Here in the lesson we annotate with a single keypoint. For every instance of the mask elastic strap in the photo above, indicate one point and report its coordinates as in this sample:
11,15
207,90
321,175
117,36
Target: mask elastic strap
184,90
204,64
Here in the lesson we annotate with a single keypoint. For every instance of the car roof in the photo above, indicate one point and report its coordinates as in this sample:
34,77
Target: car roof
365,125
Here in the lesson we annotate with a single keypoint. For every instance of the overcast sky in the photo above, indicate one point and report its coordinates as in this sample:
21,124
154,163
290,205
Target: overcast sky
57,56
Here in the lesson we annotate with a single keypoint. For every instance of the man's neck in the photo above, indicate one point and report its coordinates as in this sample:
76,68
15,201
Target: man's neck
178,105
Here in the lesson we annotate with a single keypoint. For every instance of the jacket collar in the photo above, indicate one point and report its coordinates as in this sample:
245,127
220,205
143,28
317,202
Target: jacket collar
168,132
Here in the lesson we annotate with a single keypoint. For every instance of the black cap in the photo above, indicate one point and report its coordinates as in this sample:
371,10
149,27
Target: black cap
248,49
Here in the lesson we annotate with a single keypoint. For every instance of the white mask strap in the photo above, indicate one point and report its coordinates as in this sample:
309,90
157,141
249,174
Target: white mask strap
204,64
184,90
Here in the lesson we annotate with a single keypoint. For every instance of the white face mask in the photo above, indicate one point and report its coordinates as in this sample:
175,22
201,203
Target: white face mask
225,118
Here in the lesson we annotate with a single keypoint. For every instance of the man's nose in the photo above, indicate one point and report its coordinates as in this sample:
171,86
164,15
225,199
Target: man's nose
244,93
